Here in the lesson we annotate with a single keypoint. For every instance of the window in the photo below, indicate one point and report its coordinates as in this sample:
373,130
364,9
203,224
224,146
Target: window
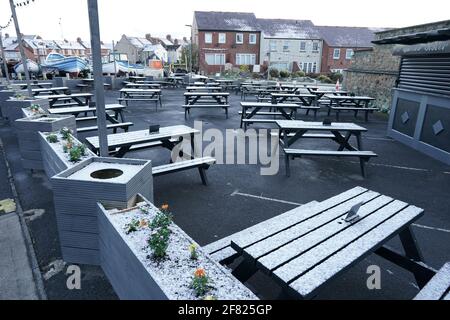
303,46
252,38
239,38
315,47
314,69
280,66
349,54
286,46
337,54
222,37
245,59
309,67
273,45
215,59
208,37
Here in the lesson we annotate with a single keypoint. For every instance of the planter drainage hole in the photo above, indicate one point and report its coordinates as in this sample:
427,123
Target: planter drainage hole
106,174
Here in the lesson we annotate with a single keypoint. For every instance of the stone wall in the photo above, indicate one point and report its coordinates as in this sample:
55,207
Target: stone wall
373,73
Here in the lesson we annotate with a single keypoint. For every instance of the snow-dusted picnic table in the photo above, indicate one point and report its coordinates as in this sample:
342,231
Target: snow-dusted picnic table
51,90
305,99
303,250
132,94
74,99
166,137
36,85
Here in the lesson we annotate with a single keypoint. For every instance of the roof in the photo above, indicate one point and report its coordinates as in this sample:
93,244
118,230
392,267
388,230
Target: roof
288,29
87,45
357,37
419,37
227,21
69,45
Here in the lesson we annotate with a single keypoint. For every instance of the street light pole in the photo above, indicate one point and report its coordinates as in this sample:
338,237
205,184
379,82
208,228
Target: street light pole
22,51
5,65
98,77
190,50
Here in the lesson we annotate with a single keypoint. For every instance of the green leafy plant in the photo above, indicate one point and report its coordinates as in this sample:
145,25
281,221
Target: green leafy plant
19,96
193,251
52,138
201,283
35,108
274,73
324,79
244,69
298,74
163,218
66,133
159,242
132,226
75,154
284,74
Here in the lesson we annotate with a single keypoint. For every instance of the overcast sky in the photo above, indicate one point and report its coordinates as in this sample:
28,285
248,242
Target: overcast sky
138,17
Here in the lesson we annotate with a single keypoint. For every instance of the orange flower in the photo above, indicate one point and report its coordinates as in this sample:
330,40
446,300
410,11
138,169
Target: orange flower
165,207
200,273
143,223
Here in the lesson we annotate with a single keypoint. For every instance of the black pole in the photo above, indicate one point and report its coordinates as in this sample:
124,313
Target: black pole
98,77
3,58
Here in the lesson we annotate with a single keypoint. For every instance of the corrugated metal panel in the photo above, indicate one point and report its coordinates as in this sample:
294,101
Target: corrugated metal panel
429,74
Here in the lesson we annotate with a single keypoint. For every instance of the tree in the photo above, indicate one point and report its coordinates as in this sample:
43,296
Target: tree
186,56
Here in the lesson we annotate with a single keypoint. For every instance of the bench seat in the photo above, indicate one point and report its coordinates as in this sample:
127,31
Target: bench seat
201,163
63,105
187,107
364,156
115,126
354,109
438,288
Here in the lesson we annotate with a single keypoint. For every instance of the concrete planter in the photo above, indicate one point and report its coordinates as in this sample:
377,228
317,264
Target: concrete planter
4,96
54,159
76,192
126,259
27,130
13,108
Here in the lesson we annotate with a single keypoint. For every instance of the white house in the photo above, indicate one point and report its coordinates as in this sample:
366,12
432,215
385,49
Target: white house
291,45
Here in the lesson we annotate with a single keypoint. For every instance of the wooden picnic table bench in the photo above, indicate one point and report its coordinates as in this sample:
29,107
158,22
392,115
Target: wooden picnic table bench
49,91
292,131
33,85
438,288
114,114
350,103
143,85
304,249
66,99
203,89
128,94
252,109
88,84
213,100
303,98
168,137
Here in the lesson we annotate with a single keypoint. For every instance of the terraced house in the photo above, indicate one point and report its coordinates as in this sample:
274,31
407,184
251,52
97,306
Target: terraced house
232,39
226,39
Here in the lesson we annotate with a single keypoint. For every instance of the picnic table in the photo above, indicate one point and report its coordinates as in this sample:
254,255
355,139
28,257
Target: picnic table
341,133
136,78
129,94
304,249
88,84
350,103
303,98
35,85
320,93
52,90
176,81
203,89
252,109
139,85
206,100
74,99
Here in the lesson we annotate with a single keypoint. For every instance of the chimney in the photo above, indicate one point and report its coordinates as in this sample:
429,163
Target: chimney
6,35
185,39
79,40
148,36
175,42
169,37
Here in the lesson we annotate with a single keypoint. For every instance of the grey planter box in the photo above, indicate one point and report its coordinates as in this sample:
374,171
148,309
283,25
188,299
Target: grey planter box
76,194
54,160
27,130
13,108
134,276
4,96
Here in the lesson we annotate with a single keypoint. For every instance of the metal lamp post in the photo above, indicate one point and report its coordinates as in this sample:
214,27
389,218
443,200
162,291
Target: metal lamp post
22,51
98,76
3,57
190,50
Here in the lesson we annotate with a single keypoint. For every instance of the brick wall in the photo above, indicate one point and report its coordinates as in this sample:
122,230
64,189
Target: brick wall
230,49
328,61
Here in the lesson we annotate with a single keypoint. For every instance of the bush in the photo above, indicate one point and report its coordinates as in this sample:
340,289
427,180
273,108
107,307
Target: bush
324,79
284,74
244,69
274,73
298,74
335,76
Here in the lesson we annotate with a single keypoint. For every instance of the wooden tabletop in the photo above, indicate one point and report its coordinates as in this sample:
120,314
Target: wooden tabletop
75,110
143,136
32,84
269,105
139,90
49,89
306,247
308,125
293,95
213,94
333,97
61,96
